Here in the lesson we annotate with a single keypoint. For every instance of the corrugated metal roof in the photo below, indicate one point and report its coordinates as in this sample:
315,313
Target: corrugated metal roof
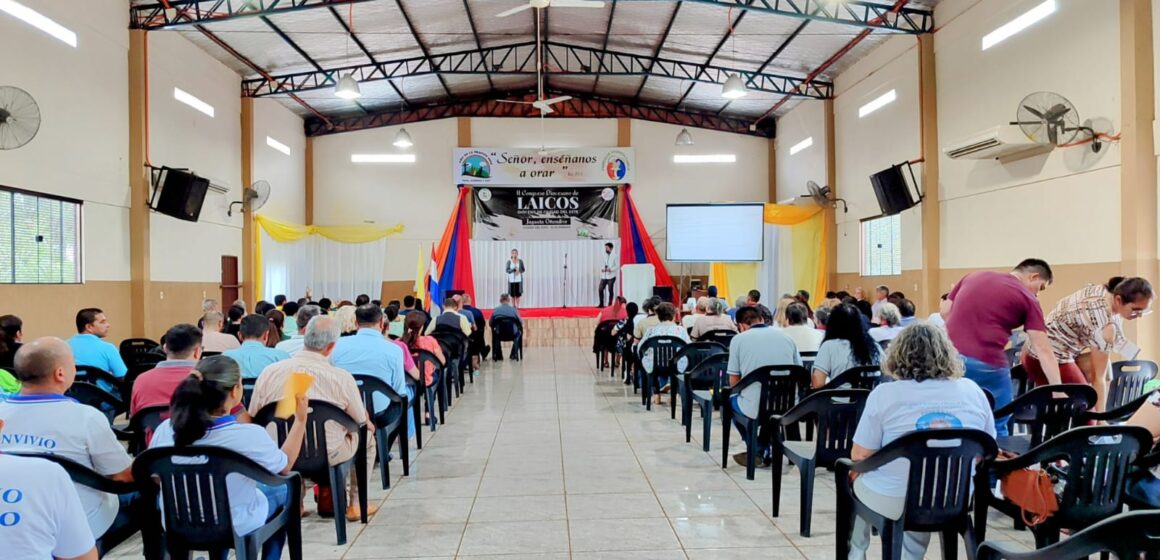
444,26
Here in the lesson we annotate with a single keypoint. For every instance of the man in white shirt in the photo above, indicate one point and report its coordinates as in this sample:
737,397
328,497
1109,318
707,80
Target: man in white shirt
41,419
880,295
608,275
293,345
43,517
212,338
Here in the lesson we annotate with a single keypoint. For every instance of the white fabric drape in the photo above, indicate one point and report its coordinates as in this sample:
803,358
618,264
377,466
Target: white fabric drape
544,278
775,273
329,268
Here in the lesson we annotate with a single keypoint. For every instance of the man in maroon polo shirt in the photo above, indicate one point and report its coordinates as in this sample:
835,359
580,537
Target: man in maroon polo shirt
156,386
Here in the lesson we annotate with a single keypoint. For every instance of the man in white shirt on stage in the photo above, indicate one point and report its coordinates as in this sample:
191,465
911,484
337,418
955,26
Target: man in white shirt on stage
608,274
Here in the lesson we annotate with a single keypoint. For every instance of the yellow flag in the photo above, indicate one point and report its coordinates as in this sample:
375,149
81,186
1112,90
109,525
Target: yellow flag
420,278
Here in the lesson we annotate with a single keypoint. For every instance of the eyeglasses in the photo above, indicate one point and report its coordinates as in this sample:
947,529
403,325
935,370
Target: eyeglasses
1139,312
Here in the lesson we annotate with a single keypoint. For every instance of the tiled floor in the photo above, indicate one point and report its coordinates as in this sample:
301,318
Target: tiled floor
549,459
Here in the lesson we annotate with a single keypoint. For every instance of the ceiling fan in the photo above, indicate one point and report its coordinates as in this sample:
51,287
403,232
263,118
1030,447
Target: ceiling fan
541,4
544,105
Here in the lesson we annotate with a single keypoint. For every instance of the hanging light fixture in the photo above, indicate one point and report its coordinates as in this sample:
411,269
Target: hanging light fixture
733,88
403,140
684,138
347,88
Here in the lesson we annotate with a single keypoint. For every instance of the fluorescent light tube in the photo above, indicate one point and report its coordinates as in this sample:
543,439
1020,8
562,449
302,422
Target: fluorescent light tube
192,101
809,141
277,145
882,101
39,21
382,158
706,158
1018,24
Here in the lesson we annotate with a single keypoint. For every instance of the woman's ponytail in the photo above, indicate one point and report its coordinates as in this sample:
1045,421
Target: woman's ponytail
199,396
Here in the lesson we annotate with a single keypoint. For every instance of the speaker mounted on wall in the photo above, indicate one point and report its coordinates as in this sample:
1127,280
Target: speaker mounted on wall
178,193
893,191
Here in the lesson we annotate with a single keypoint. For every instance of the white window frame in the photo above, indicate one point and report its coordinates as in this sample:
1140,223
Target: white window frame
14,266
881,247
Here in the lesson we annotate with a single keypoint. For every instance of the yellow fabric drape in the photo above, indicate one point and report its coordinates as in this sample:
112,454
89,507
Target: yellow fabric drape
732,279
283,232
789,215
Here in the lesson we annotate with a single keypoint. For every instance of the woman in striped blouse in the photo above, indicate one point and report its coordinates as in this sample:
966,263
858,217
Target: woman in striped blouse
1091,320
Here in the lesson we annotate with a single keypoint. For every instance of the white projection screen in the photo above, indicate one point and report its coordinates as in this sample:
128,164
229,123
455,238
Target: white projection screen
715,232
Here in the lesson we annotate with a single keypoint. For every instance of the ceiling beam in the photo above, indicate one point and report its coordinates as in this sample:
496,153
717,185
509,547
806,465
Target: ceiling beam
519,59
346,27
856,13
581,105
709,60
419,42
301,52
475,35
657,49
604,46
179,13
776,53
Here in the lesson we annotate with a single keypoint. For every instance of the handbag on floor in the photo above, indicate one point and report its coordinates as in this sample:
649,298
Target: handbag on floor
1034,492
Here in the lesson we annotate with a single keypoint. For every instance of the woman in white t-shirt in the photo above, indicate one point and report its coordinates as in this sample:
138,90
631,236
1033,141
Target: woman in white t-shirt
199,415
929,391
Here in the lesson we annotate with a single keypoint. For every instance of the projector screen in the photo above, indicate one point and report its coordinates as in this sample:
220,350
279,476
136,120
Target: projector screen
715,232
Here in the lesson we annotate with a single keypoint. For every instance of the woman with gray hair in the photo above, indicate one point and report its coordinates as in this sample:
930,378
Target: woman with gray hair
716,318
929,392
890,323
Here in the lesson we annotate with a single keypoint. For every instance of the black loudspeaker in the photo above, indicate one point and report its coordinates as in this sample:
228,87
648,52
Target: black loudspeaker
179,194
664,292
892,191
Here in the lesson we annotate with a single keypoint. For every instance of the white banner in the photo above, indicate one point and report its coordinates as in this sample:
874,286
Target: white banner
526,166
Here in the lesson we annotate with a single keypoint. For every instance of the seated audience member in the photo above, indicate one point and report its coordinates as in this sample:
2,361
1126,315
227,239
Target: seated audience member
889,323
752,298
277,322
613,312
821,316
263,307
699,310
415,340
213,340
207,305
779,319
325,305
394,321
368,352
233,320
289,326
715,319
906,312
806,338
41,419
9,385
253,355
201,416
89,347
11,337
665,314
332,384
1145,486
650,320
631,312
929,391
293,345
478,325
348,324
409,302
451,318
881,296
279,301
182,351
738,304
938,318
845,346
361,300
757,345
52,518
766,314
505,309
240,303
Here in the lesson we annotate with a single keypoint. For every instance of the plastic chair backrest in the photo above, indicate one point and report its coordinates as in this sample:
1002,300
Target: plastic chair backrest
723,336
424,360
663,350
91,374
194,499
131,346
1020,384
83,475
836,412
452,341
248,389
89,394
602,338
1127,535
313,460
369,385
143,424
782,387
859,377
712,370
507,328
1046,415
1128,379
696,352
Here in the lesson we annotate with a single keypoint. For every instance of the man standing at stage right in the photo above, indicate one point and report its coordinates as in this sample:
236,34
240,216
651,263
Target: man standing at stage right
608,275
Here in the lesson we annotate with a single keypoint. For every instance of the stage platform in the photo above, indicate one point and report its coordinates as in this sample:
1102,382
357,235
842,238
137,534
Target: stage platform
556,326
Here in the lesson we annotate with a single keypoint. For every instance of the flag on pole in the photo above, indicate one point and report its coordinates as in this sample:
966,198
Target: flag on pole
451,260
420,287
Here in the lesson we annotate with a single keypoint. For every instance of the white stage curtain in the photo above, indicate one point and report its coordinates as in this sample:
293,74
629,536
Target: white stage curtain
330,268
775,273
544,279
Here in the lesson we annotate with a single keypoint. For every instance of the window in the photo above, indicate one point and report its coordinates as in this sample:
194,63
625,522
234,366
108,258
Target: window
40,239
881,246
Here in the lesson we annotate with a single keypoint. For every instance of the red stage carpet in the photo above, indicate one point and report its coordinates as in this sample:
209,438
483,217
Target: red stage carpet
554,312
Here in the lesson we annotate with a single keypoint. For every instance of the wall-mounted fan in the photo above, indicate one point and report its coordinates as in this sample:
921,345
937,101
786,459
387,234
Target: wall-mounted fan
19,118
1049,118
253,198
821,196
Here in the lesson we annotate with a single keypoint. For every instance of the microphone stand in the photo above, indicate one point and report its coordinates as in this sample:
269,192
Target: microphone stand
565,280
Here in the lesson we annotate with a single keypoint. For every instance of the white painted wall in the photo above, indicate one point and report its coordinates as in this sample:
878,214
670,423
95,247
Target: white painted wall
285,173
866,145
806,120
1063,206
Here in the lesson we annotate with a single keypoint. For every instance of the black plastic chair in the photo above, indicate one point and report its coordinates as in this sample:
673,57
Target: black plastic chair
662,351
859,377
103,379
1095,477
604,344
782,387
939,489
710,373
454,345
248,389
722,336
196,504
84,476
1122,413
1142,468
390,425
691,355
1043,416
141,427
835,414
140,363
89,394
210,354
432,393
1127,535
313,462
507,329
134,346
1020,384
1128,379
808,359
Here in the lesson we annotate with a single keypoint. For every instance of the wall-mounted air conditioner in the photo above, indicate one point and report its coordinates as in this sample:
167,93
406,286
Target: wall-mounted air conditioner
1004,143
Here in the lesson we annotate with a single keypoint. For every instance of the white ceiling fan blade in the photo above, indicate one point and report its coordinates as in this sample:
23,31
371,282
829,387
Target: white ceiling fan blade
514,11
577,4
515,102
556,100
544,109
